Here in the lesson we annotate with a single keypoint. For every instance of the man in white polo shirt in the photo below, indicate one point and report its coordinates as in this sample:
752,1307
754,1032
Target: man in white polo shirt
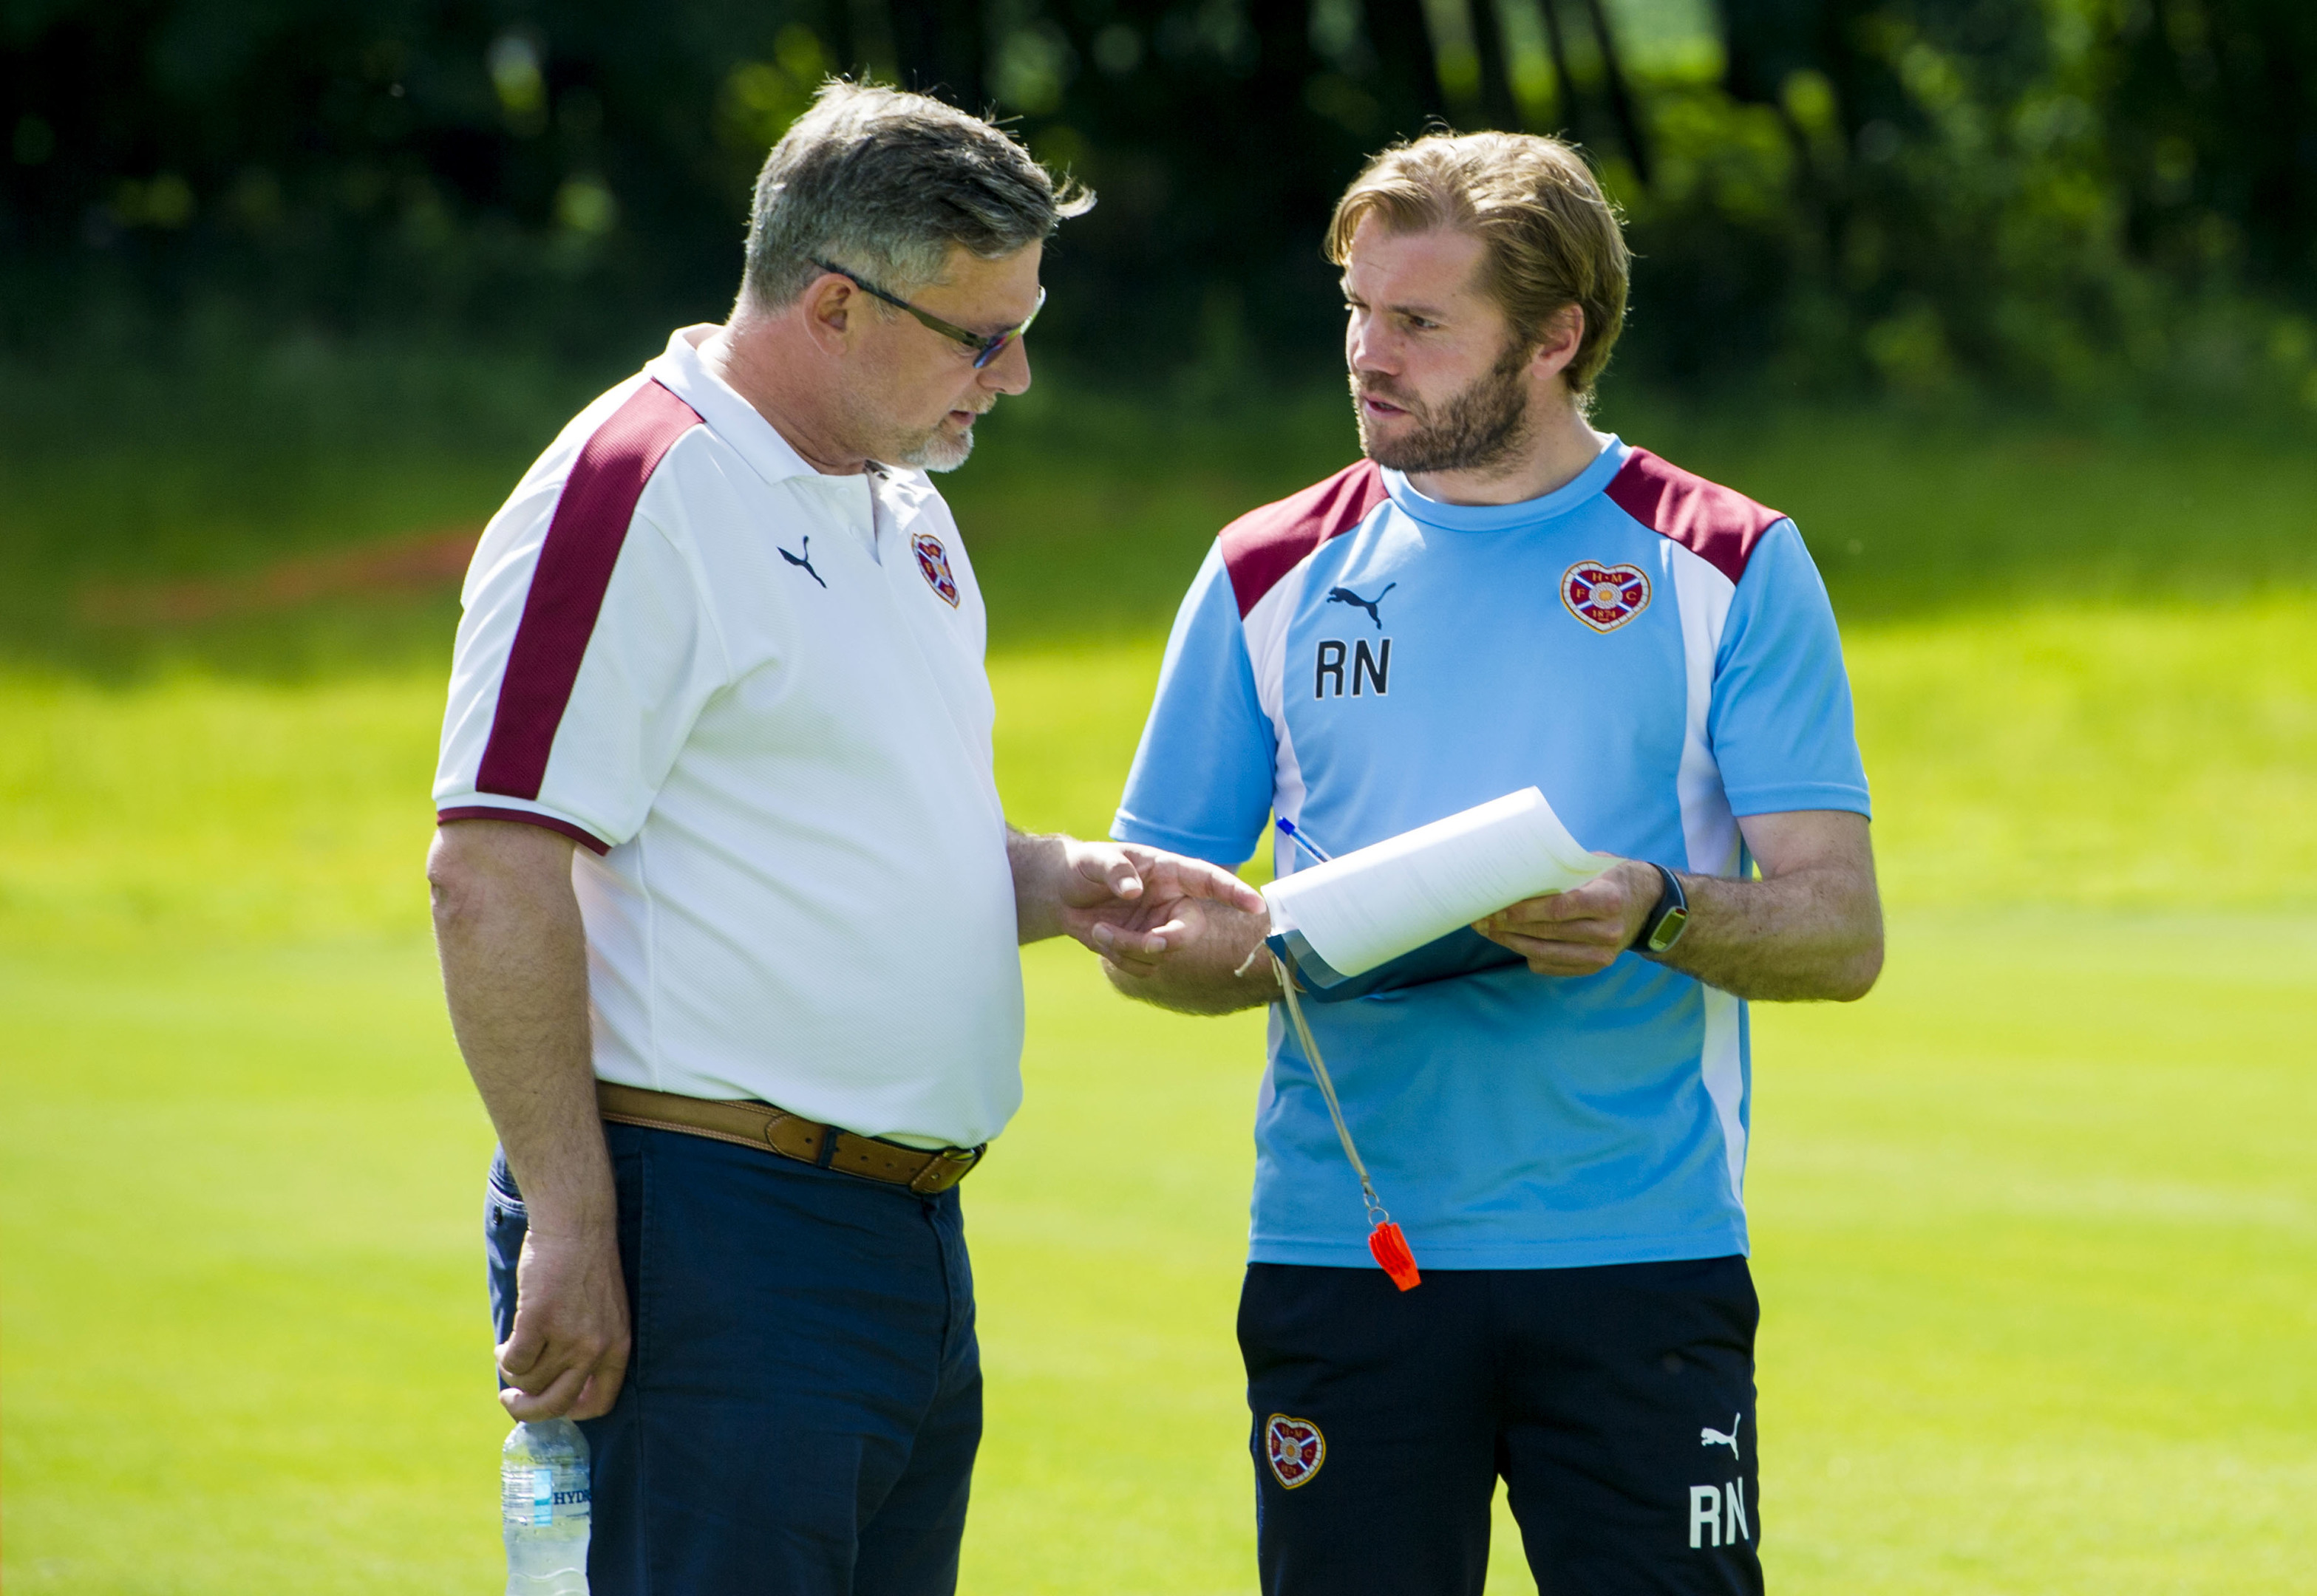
727,905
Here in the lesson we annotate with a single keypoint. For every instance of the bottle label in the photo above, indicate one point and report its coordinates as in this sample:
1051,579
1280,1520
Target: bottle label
533,1496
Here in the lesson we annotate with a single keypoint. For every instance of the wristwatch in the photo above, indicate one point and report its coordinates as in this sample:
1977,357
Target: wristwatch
1666,923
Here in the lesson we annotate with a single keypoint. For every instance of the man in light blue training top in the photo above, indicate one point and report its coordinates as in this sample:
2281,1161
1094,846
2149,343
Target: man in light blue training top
1554,1104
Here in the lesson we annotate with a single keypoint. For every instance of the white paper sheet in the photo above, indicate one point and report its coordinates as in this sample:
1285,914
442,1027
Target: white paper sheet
1367,907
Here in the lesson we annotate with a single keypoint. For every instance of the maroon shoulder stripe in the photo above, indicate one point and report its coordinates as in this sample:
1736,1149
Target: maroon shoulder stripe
1264,544
568,583
1718,524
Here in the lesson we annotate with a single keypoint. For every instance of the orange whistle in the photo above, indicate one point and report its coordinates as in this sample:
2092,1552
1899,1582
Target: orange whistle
1390,1250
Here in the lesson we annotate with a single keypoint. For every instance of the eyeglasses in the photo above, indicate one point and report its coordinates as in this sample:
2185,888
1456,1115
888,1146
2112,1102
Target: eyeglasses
985,349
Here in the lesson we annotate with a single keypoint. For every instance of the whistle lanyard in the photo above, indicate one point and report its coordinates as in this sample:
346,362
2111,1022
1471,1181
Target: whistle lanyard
1385,1241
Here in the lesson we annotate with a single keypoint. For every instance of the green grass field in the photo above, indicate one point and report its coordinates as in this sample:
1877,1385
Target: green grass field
2036,1223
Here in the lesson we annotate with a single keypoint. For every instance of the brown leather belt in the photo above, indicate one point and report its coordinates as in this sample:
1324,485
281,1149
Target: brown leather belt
760,1125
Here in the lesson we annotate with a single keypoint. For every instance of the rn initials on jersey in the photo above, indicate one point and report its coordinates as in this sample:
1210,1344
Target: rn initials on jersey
1367,667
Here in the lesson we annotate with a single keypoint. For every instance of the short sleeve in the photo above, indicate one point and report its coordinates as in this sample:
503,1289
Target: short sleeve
1781,720
1202,779
570,700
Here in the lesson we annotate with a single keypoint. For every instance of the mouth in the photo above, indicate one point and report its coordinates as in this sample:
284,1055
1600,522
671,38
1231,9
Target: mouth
1382,409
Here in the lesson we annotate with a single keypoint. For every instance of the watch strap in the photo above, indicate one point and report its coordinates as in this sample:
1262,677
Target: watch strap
1664,924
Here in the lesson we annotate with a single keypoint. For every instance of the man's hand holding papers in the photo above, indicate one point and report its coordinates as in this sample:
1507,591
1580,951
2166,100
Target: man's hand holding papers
1579,932
1810,930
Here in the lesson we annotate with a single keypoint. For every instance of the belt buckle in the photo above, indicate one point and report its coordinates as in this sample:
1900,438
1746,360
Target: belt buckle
937,1176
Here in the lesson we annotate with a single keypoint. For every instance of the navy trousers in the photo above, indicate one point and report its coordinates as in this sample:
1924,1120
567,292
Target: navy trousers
803,1400
1616,1402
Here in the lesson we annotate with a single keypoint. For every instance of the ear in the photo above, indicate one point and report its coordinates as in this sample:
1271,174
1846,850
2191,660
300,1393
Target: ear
830,309
1563,335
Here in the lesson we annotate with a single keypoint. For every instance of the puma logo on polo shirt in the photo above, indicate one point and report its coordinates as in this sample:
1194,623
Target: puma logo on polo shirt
804,559
1708,1436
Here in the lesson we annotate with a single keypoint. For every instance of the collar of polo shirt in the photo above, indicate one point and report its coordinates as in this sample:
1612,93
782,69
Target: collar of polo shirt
680,370
739,423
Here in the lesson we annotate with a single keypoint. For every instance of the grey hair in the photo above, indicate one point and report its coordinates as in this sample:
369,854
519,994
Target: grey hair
883,182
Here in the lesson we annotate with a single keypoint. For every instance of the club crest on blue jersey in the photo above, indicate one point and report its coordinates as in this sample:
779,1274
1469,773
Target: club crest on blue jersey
933,562
1294,1447
1604,597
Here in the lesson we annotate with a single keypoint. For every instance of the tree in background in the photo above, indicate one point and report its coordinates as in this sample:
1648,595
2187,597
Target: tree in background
1942,197
2055,198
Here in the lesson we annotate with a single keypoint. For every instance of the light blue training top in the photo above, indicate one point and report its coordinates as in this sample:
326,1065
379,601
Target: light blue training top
1653,651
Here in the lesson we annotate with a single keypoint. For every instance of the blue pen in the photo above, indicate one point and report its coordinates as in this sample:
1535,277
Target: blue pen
1287,829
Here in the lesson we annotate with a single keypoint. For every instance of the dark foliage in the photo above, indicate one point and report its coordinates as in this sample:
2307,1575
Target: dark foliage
374,164
2053,196
1936,195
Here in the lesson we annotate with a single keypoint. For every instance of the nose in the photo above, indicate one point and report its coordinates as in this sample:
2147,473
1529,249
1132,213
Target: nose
1009,373
1363,345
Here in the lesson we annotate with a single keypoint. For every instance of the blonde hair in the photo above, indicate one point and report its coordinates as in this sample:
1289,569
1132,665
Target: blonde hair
1553,239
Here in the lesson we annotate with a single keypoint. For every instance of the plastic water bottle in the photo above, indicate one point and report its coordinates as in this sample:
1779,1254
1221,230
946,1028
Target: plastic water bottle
543,1500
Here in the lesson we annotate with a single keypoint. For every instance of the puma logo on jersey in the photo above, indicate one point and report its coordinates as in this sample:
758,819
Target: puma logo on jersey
1708,1436
1345,595
804,560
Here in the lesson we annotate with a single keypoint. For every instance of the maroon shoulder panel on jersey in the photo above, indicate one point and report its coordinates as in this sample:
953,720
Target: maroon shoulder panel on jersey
568,581
1264,545
1719,525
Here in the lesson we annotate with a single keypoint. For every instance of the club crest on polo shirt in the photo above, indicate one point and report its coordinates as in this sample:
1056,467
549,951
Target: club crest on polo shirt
933,563
1294,1447
1604,597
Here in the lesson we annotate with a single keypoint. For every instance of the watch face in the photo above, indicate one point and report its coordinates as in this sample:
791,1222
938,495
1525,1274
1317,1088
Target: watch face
1669,929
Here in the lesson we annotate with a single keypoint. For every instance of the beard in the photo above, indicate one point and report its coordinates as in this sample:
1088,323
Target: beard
885,438
1483,425
932,449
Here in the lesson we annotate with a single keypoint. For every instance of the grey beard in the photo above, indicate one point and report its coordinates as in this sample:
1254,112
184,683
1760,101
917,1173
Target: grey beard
1484,425
934,451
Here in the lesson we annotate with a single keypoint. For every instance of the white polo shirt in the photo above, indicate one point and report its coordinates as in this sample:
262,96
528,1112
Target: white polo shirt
755,693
